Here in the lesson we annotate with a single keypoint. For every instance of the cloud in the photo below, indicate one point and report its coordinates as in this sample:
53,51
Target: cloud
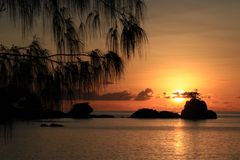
186,94
144,95
119,96
158,96
167,97
115,96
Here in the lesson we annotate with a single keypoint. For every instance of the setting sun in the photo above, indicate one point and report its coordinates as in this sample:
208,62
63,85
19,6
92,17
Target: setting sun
178,100
177,96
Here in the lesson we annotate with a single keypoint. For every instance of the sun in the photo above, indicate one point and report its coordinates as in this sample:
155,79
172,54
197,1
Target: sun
177,95
178,100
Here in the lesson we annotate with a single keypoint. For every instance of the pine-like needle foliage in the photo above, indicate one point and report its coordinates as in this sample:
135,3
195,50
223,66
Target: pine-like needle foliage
56,76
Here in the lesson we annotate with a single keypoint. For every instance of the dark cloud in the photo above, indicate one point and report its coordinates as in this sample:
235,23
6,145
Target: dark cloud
167,97
144,95
186,94
194,94
115,96
238,97
119,96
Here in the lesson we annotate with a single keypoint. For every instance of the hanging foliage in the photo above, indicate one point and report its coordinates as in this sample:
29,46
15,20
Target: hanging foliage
71,70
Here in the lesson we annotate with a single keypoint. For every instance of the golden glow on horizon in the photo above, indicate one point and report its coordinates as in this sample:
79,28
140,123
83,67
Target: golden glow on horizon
179,91
169,80
178,100
176,96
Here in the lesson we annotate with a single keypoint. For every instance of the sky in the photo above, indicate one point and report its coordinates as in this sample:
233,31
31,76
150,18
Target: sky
192,45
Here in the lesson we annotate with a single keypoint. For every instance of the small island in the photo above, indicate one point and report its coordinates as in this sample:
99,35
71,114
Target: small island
194,109
15,106
151,113
83,111
197,109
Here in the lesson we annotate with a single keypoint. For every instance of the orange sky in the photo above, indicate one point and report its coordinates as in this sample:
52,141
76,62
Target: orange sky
192,45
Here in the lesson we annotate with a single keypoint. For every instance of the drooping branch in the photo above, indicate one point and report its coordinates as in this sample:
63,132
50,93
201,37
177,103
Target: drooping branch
35,69
10,54
104,14
71,70
132,36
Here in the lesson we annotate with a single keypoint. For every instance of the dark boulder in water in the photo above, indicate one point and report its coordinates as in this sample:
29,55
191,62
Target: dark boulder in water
168,114
145,113
151,113
197,109
80,110
211,114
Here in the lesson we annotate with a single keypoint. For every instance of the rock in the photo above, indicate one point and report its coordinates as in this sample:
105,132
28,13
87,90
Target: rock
211,114
197,109
145,113
150,113
80,110
167,114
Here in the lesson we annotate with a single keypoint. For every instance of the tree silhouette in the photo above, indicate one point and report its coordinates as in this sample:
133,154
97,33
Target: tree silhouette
56,76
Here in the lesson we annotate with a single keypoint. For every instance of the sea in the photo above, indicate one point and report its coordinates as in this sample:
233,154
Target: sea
122,139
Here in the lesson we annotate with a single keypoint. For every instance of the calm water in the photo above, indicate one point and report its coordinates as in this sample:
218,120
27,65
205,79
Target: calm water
123,138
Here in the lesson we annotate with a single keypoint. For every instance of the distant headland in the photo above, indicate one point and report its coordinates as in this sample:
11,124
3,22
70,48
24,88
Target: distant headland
31,108
194,109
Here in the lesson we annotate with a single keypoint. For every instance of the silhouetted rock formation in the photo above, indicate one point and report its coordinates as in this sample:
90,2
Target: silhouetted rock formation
22,104
168,114
211,114
80,110
197,109
151,113
145,113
